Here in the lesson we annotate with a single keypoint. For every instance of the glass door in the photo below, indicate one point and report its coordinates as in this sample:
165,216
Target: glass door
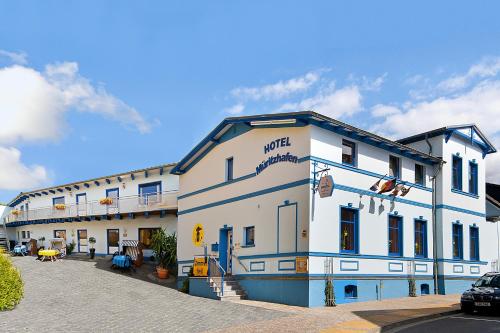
82,241
81,204
113,240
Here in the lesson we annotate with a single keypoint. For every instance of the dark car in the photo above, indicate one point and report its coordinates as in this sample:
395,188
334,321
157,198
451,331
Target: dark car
484,294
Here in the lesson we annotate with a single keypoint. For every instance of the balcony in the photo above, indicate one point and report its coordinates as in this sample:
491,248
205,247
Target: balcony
157,202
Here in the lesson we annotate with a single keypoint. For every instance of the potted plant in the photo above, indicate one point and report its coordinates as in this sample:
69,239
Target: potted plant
92,241
164,247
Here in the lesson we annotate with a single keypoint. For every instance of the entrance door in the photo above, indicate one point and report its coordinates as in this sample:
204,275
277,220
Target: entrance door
287,228
226,249
82,241
113,240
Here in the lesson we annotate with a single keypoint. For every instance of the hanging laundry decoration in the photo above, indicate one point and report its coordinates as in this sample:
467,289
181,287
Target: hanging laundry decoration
375,187
398,188
405,190
388,186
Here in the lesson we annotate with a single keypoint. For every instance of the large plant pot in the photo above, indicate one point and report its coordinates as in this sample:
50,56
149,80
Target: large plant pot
162,272
92,253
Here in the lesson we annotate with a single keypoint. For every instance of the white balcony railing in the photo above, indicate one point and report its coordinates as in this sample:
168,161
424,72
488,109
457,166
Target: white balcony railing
122,205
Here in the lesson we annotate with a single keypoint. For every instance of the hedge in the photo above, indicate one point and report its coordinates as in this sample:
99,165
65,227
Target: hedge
11,285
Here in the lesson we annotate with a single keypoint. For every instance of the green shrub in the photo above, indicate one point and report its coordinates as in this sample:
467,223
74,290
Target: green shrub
11,285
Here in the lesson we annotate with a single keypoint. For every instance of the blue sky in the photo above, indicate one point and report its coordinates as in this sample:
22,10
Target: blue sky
91,88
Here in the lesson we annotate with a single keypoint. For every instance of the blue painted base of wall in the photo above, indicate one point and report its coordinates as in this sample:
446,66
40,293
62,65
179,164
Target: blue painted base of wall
311,293
455,286
367,290
291,292
200,287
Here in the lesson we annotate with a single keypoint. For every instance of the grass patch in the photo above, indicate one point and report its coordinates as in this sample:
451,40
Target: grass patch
11,285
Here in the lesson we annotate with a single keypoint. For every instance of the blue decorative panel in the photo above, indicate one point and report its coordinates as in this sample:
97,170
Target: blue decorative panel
421,268
349,265
475,269
286,265
395,267
257,266
458,268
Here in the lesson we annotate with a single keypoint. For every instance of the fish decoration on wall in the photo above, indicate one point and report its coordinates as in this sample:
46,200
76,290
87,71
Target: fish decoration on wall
375,187
388,186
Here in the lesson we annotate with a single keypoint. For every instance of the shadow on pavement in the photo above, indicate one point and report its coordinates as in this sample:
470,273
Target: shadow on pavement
145,273
383,318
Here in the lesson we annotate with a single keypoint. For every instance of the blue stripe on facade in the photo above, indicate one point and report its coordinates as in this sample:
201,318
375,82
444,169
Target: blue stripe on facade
247,196
332,254
301,160
461,210
299,183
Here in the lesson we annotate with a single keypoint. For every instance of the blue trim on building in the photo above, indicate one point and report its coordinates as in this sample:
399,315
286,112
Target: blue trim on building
296,224
417,270
460,210
475,196
247,196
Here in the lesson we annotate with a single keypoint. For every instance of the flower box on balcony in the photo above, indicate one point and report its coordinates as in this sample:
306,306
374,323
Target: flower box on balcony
106,201
60,206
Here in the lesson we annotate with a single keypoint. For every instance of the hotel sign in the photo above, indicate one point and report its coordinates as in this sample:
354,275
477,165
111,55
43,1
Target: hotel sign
325,186
276,158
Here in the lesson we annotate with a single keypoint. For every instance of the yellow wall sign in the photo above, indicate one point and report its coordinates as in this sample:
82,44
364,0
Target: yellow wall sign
301,264
198,234
200,266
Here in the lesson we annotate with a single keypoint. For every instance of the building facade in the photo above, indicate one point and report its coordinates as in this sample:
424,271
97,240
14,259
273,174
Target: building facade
126,206
252,186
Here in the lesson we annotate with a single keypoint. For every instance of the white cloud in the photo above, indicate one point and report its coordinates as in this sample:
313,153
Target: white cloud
277,90
235,109
381,110
479,105
487,67
334,103
20,58
15,175
33,104
33,108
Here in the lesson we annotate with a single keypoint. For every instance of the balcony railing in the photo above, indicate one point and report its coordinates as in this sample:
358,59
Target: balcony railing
122,205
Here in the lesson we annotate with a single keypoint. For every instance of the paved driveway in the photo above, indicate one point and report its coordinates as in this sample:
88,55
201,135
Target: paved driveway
76,296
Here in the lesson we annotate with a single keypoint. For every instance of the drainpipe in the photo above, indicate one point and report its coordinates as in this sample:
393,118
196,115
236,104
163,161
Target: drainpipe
435,272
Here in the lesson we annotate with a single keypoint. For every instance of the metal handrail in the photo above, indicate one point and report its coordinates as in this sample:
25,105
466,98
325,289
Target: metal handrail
216,270
240,262
126,204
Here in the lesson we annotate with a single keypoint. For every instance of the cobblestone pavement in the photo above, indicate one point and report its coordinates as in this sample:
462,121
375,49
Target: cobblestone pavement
75,296
82,296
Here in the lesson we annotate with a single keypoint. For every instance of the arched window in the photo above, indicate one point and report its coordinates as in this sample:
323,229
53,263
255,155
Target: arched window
424,289
350,291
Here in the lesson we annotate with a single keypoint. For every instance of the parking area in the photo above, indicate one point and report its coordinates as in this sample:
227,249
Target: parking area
459,323
77,296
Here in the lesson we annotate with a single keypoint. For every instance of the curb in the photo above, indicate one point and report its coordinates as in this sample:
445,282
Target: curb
417,319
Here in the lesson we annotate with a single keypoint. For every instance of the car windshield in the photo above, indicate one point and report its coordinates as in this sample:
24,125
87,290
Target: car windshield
488,281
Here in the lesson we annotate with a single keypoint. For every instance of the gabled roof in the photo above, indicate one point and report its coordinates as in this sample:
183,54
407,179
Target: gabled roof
60,188
467,131
234,126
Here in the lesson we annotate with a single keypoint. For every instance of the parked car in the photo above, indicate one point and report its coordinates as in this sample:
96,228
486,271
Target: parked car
484,294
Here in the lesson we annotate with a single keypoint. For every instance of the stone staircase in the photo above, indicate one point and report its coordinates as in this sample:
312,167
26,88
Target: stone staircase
232,289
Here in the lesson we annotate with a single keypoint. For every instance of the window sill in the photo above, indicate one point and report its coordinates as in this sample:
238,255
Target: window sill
472,195
421,257
348,252
397,255
245,246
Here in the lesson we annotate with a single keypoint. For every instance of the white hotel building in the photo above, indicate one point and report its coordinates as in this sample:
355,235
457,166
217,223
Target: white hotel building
251,184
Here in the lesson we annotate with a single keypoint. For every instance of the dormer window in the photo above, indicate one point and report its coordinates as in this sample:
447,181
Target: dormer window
348,152
394,166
